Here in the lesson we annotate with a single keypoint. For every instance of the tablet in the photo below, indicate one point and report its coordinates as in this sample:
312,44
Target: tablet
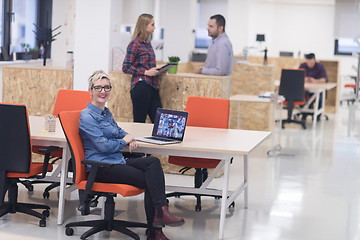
166,67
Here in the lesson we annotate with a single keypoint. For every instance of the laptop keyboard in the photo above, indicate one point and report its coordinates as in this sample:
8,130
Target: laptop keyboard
160,139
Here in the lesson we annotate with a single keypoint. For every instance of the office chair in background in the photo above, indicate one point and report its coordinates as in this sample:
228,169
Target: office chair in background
292,88
15,161
66,100
88,188
203,112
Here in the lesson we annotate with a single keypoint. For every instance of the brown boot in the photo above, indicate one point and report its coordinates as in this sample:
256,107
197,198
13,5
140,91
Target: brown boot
163,217
156,234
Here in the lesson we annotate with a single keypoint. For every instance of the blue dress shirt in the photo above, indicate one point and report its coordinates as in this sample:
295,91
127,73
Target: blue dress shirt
102,137
220,56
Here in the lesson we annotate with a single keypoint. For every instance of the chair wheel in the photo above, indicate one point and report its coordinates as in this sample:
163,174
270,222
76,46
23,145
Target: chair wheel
232,205
177,196
46,194
277,147
217,197
197,208
46,213
42,223
69,231
94,203
271,153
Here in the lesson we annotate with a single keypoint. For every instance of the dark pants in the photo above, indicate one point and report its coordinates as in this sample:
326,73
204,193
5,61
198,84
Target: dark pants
145,173
308,95
145,100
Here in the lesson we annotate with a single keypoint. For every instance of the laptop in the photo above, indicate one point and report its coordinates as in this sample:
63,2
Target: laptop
169,127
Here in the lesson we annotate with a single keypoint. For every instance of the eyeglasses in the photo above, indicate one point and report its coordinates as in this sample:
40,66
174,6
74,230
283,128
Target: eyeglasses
106,88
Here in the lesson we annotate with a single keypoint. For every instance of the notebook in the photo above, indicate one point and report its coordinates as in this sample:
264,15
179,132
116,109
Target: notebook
169,127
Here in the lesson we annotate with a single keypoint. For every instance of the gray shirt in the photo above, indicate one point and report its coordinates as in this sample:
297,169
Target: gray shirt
219,57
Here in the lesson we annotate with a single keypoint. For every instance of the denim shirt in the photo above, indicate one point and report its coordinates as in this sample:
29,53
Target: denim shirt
101,136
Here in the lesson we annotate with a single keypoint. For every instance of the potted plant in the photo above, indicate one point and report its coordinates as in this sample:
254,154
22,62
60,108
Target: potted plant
173,59
26,48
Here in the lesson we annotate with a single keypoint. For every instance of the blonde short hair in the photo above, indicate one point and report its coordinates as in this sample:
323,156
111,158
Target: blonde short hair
99,74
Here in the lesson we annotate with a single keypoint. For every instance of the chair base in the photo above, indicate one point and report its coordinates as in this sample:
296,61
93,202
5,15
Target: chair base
284,121
12,206
198,198
201,175
108,223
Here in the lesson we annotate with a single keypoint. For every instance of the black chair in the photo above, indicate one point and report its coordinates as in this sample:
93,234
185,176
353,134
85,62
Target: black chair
15,161
292,88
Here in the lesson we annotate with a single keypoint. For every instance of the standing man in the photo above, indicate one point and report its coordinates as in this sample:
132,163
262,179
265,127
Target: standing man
220,54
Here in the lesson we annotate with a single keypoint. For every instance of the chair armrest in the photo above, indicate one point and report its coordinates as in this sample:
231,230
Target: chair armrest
47,151
97,163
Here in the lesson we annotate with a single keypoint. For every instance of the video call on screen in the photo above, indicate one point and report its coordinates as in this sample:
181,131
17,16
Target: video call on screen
171,125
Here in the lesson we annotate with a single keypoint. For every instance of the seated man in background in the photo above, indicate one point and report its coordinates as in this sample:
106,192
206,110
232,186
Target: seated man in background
314,73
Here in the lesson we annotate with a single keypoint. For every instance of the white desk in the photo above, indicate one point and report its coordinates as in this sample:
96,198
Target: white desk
57,138
316,89
198,142
238,98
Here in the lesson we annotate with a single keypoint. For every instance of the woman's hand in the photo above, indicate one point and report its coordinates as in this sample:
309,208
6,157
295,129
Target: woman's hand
128,138
151,72
133,145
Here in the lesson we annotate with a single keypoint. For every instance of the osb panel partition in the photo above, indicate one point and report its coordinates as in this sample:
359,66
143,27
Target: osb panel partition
35,87
331,66
174,91
252,79
120,101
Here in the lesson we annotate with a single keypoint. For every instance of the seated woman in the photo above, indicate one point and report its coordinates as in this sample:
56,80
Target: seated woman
103,140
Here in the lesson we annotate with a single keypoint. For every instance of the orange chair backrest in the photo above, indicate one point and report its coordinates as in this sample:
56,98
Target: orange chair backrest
71,100
70,124
208,112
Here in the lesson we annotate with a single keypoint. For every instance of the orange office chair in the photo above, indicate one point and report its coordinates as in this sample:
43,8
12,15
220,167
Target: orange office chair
203,112
66,100
292,88
15,161
88,188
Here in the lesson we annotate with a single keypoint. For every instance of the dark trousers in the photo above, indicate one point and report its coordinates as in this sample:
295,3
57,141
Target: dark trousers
145,173
145,100
308,95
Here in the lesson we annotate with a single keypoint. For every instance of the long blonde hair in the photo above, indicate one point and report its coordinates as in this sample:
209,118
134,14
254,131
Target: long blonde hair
141,25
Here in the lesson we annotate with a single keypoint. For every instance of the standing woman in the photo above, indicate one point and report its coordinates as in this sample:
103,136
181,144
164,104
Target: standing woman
140,61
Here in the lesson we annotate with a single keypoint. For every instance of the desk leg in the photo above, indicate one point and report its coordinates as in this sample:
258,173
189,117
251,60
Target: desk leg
238,115
225,194
63,176
316,108
246,192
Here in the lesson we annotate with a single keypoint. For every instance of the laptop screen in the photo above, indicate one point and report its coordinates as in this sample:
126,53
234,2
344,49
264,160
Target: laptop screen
170,124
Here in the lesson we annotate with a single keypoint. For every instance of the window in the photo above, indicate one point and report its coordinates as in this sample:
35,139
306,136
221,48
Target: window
24,16
17,27
346,46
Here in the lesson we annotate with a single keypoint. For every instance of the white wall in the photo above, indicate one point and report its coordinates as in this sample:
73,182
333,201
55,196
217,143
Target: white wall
92,49
179,22
64,15
289,25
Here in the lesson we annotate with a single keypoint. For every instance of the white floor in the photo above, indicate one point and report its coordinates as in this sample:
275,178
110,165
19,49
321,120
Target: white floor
310,191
